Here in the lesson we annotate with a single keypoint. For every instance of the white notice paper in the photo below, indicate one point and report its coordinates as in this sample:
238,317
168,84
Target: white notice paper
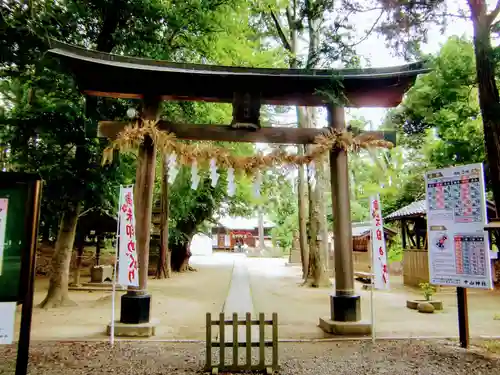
3,227
7,319
456,215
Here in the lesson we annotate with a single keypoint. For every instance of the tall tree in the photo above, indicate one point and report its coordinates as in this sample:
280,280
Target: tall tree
405,15
325,27
180,30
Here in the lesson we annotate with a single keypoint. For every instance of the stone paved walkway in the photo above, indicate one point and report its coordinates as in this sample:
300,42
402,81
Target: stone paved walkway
239,300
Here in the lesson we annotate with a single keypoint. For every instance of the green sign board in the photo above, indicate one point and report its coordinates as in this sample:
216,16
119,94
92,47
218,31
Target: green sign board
18,205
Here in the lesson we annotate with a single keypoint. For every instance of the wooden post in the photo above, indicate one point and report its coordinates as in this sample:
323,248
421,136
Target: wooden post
463,317
235,339
136,304
261,229
275,341
145,177
79,256
209,340
97,250
262,339
248,334
222,341
163,268
403,232
345,305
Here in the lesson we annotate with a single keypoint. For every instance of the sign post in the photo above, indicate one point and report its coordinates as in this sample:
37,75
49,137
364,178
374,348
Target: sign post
380,273
458,244
19,216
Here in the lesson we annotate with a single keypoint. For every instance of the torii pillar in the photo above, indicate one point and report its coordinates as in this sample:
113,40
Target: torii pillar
135,311
345,304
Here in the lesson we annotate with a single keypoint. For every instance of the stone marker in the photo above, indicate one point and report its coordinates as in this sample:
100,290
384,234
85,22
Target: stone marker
425,307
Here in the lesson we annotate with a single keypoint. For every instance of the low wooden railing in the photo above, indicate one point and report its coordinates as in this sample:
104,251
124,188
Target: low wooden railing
248,344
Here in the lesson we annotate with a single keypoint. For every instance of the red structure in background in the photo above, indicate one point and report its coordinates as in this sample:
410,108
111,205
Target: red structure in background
231,231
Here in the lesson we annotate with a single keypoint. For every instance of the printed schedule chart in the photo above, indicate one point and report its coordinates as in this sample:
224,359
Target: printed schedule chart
456,215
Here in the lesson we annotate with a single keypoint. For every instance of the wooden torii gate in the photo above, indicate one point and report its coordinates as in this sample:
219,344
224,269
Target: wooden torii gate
107,75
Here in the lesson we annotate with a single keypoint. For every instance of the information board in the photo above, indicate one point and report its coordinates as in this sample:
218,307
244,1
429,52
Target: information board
456,215
15,240
4,202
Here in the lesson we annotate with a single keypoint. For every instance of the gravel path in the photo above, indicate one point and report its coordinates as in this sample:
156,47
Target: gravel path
353,358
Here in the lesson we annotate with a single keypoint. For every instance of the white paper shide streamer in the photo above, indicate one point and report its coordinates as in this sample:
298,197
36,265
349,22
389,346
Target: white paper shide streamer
172,168
256,184
214,176
231,186
311,174
195,177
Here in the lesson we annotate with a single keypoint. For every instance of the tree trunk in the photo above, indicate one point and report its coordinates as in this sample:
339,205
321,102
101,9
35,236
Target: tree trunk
79,256
488,92
302,198
163,267
262,246
57,294
317,275
180,257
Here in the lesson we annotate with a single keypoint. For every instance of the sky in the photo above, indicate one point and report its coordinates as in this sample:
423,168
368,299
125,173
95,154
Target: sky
374,49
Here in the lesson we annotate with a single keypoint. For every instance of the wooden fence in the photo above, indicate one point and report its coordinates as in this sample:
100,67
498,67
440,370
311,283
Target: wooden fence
248,344
415,267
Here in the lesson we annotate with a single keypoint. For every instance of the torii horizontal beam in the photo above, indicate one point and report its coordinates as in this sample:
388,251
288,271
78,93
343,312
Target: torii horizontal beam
225,133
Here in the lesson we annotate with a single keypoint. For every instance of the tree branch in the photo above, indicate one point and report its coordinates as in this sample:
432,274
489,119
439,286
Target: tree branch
368,33
494,13
279,29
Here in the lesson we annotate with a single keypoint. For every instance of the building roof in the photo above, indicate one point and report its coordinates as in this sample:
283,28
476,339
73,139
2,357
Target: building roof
415,209
97,219
103,74
364,228
419,209
242,223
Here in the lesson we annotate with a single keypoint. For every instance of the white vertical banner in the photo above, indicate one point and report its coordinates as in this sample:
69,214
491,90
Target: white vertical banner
379,254
128,272
3,227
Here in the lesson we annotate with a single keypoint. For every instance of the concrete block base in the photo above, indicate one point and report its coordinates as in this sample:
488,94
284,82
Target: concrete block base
360,328
101,274
134,330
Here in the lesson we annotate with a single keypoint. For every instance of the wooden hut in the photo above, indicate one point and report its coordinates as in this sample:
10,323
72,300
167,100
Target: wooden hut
361,233
361,240
413,226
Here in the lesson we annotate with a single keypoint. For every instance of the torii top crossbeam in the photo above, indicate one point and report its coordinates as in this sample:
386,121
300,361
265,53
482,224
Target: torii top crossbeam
104,74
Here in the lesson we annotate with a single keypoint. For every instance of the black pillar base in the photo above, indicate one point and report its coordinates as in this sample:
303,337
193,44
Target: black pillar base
345,308
135,308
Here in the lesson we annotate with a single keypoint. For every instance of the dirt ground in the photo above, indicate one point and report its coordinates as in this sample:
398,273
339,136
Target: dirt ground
181,303
342,358
275,288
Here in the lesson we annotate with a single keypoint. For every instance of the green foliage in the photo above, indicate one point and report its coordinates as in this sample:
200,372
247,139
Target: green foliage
395,250
439,122
44,116
428,290
442,110
280,205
